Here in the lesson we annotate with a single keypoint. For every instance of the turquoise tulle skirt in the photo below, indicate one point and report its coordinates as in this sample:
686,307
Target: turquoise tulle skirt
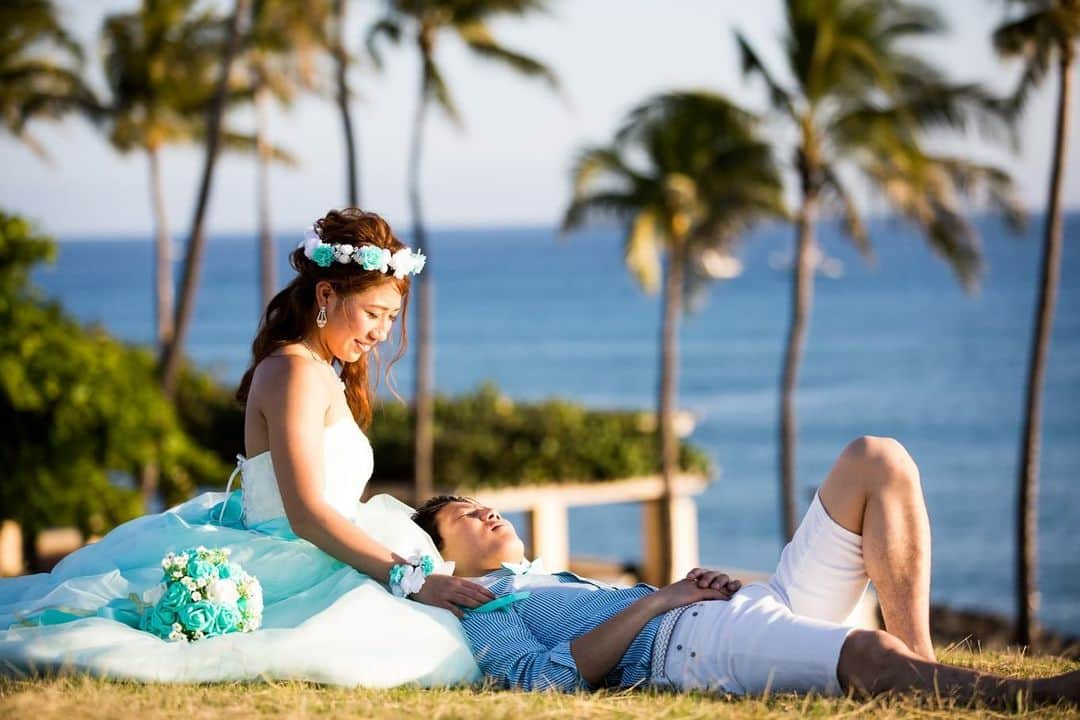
323,621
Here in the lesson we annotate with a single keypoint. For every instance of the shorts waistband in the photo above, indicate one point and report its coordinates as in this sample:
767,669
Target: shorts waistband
661,642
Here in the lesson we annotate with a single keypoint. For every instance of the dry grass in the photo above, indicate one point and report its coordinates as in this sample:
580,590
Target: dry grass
81,697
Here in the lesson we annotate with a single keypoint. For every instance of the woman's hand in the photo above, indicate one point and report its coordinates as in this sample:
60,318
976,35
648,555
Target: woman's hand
452,593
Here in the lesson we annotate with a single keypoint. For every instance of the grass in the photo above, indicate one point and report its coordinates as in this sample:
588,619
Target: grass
82,697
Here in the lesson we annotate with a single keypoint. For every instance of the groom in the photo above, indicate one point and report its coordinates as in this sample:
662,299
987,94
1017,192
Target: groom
868,521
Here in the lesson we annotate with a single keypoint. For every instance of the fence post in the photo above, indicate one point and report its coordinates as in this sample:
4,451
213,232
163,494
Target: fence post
549,532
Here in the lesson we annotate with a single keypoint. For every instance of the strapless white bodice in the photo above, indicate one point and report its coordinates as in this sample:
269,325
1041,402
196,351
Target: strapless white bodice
348,462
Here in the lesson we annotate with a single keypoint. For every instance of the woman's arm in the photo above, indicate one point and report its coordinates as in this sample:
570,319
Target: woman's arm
294,400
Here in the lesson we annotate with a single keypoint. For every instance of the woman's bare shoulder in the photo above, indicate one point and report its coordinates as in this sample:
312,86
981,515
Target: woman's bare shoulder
286,371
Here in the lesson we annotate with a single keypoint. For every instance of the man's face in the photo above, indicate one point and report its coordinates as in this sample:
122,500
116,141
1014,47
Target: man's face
477,538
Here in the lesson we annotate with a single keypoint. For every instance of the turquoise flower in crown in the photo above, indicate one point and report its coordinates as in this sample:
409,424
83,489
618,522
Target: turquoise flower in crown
323,255
371,257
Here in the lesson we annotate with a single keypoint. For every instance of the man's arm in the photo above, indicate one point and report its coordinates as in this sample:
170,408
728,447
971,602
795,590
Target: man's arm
599,650
506,649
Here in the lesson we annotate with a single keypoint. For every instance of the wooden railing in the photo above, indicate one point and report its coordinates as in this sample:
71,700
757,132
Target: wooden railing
547,518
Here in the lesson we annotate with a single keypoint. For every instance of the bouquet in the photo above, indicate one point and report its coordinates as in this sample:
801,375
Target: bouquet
201,595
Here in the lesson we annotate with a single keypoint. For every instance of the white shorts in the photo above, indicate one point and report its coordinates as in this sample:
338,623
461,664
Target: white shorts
781,636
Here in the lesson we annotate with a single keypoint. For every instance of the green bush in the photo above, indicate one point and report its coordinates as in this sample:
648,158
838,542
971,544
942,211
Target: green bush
80,410
483,439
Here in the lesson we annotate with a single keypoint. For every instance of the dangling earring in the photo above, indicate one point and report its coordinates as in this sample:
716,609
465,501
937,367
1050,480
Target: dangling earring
320,319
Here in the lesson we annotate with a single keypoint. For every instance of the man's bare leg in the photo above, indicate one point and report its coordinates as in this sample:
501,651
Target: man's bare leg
874,662
873,490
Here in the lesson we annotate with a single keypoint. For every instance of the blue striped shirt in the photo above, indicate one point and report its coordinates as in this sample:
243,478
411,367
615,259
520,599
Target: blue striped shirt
526,644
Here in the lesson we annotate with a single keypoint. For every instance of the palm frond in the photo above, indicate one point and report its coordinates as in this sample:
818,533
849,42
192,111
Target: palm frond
752,64
386,27
435,88
611,205
853,224
594,163
642,250
992,184
1034,39
480,40
246,143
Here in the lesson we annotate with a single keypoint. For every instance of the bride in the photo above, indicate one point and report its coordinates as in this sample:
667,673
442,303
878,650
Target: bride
323,558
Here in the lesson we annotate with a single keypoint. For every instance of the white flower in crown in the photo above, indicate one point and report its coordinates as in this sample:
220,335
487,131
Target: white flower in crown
343,253
406,261
311,241
412,581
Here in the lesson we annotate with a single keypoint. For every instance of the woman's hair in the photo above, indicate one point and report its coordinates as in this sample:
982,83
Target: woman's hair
290,315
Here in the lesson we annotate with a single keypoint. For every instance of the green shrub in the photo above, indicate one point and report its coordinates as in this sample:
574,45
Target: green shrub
80,410
484,439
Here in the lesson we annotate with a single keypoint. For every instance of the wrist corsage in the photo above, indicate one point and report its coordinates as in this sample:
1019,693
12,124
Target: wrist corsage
407,578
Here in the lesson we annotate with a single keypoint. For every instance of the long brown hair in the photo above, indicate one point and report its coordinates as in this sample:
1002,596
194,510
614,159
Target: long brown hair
290,315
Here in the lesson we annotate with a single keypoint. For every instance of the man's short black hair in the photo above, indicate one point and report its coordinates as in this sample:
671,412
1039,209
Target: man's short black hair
425,515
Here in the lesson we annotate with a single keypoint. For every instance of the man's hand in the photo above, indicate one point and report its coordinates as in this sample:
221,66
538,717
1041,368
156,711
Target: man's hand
449,592
714,579
700,584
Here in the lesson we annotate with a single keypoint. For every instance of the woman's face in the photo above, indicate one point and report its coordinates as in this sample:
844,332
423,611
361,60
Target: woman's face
356,323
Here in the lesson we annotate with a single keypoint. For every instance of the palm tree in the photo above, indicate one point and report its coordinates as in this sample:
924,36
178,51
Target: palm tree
172,354
859,104
159,75
426,21
279,59
1047,30
342,95
38,79
687,172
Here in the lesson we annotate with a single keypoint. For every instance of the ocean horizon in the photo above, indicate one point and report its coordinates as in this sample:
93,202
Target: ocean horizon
894,348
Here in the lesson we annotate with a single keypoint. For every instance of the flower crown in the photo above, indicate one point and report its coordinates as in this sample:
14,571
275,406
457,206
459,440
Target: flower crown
370,257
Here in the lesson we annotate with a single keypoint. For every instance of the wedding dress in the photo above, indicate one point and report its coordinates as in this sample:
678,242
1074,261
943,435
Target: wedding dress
323,620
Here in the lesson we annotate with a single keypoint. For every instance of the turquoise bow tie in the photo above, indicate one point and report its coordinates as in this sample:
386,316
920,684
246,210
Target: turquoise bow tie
536,567
500,602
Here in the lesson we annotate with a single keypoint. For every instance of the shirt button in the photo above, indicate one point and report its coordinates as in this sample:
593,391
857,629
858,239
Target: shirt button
678,647
693,654
695,614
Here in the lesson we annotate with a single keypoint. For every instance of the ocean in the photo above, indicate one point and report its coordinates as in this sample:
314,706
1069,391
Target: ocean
894,349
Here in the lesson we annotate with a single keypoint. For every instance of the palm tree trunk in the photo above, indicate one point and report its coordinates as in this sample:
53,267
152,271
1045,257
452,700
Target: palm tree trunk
1027,505
267,279
341,71
802,298
424,432
163,275
669,390
171,357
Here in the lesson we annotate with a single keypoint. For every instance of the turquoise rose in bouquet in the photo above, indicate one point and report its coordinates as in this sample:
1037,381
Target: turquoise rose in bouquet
202,594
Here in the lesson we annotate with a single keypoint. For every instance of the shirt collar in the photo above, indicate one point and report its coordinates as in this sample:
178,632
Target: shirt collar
536,567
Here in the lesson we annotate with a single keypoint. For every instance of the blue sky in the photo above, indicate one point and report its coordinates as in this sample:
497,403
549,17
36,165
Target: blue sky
510,164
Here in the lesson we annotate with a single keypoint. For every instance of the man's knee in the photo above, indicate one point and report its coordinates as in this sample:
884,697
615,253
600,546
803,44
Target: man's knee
868,660
884,460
